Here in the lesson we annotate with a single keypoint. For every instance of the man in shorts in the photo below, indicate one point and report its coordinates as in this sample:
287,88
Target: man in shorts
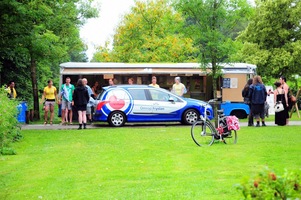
66,99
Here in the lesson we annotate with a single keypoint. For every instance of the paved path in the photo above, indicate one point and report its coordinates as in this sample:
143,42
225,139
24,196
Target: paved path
61,127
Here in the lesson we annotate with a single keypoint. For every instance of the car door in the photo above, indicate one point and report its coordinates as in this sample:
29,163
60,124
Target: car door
166,106
142,108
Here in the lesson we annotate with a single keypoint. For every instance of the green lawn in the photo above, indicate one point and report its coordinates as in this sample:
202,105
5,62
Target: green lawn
141,163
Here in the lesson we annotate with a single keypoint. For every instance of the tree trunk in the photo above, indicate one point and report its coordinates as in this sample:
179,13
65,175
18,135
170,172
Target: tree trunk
214,85
33,69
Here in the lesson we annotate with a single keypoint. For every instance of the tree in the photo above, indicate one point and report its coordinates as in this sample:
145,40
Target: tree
149,33
213,25
272,39
43,34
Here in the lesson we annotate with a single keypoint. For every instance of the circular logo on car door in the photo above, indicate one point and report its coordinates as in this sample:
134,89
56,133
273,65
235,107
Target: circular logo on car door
117,99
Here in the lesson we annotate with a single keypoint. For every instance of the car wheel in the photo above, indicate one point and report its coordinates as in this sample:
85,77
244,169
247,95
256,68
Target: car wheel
116,119
190,116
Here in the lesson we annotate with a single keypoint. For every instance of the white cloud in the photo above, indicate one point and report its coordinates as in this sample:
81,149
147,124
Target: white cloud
98,30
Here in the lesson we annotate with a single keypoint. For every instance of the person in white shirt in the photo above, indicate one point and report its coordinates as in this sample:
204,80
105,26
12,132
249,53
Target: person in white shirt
178,88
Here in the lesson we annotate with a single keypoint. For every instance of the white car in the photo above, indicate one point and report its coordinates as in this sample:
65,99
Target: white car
141,103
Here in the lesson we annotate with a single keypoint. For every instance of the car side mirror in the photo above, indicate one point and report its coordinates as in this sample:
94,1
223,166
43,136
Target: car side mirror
171,100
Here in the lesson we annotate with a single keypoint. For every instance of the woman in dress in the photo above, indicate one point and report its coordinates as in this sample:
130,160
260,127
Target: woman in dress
80,101
281,95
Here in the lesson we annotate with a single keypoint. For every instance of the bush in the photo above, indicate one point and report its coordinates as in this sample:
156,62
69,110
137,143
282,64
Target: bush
268,185
9,129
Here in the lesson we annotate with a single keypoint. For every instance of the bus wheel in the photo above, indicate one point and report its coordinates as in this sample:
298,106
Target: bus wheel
240,114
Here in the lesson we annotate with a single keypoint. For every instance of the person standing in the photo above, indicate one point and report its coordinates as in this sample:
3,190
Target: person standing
245,95
49,96
11,91
178,88
112,82
91,99
280,95
66,99
80,101
154,82
286,89
130,81
95,89
258,95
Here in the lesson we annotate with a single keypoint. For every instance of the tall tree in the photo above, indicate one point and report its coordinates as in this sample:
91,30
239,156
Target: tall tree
149,33
42,33
213,24
272,39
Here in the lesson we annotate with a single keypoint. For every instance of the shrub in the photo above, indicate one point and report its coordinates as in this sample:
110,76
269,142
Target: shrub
9,129
268,185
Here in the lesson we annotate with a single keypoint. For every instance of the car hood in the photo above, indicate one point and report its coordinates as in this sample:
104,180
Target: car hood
202,103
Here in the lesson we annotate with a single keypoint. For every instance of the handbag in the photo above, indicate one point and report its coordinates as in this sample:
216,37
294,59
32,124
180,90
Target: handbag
278,106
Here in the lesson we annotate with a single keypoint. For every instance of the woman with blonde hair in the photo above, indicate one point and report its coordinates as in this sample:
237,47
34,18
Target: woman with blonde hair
258,95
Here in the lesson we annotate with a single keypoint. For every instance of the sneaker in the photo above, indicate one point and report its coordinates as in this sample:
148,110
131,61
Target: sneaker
257,125
263,124
250,124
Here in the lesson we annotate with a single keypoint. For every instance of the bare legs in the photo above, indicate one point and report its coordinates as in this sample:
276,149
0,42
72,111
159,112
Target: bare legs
258,122
66,115
46,114
64,119
47,108
82,119
70,116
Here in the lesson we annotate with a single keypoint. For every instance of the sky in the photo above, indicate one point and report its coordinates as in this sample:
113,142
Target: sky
98,30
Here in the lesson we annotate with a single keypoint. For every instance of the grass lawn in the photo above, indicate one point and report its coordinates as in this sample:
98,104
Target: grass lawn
58,120
141,163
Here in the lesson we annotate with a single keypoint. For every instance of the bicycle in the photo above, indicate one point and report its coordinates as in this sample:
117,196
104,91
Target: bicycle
203,131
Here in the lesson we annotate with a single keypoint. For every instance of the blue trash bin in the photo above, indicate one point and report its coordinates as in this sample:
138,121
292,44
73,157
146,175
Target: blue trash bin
22,108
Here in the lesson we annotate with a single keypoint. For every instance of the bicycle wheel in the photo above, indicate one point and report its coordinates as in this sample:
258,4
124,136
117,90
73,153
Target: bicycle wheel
200,136
231,138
